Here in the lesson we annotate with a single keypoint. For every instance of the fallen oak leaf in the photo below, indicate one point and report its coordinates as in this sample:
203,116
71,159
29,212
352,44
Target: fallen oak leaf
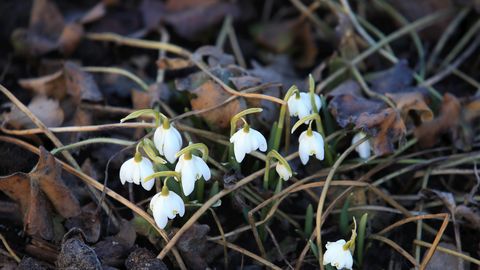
31,191
70,80
429,132
35,211
48,174
46,109
47,32
384,124
210,94
411,102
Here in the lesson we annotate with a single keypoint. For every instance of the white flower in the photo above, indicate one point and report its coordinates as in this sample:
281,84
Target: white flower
247,140
363,149
168,141
301,105
283,171
166,205
310,144
135,170
191,168
337,256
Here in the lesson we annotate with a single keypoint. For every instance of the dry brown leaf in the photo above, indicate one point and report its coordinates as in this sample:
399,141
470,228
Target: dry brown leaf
429,132
145,99
167,63
46,109
412,102
31,191
94,14
70,38
210,94
80,84
49,85
384,124
46,32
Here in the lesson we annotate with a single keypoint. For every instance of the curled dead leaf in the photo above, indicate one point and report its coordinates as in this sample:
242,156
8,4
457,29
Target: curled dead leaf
34,191
210,94
46,109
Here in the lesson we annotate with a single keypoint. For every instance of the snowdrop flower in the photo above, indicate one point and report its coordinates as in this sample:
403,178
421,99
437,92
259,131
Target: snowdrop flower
283,171
300,104
168,141
135,170
338,254
310,143
363,149
191,168
247,140
166,205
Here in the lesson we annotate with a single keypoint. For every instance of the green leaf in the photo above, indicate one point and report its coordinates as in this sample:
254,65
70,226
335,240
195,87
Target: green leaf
137,114
362,227
308,229
314,248
344,218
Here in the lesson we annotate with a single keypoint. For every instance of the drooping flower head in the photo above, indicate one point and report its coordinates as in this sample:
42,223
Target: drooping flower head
284,172
337,255
191,168
310,143
364,149
135,170
300,104
166,205
168,140
247,140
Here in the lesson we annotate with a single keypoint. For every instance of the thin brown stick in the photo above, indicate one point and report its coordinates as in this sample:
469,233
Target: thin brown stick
57,144
436,241
92,182
9,249
209,203
448,251
396,247
111,37
411,219
247,253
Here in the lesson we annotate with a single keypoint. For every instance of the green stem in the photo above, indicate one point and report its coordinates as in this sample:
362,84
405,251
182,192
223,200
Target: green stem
318,120
163,174
196,146
92,141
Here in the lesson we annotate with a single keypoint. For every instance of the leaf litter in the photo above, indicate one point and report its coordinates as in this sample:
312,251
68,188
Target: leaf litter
261,48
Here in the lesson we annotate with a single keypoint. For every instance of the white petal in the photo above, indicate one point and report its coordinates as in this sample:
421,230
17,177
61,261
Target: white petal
153,201
235,135
202,167
188,177
239,145
293,105
172,145
180,206
303,147
337,256
136,175
319,146
261,141
159,139
126,171
179,166
177,135
146,169
363,149
283,171
160,218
